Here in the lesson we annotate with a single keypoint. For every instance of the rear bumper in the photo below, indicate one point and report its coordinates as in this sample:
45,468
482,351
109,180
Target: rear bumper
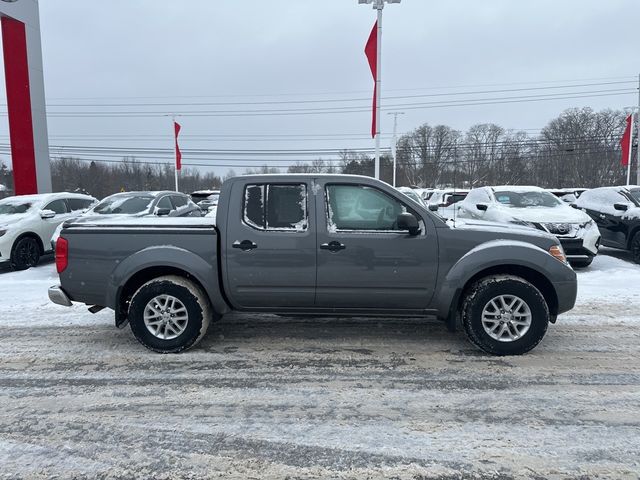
58,296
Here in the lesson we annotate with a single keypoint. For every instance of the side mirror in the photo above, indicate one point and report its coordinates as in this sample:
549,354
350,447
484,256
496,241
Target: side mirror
47,214
433,207
622,207
482,207
162,212
406,221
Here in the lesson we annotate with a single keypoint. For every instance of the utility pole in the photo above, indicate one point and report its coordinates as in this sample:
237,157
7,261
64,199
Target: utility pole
394,145
379,6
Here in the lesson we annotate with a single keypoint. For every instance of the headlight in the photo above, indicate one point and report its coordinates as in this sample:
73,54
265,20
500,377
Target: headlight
524,223
560,228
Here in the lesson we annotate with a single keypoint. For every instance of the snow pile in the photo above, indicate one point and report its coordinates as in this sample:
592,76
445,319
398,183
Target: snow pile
607,291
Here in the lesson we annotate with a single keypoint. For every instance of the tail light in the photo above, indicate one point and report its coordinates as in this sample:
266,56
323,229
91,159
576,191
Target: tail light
62,254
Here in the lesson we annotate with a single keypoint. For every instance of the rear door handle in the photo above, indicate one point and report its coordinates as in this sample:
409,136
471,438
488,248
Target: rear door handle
332,246
244,245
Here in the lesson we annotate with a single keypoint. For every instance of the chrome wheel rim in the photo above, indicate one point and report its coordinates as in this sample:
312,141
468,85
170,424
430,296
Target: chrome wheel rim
506,318
165,317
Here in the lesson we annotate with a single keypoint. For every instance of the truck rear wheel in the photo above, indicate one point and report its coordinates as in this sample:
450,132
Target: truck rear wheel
169,314
505,315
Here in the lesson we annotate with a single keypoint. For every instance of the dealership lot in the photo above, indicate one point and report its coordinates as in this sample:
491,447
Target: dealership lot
267,397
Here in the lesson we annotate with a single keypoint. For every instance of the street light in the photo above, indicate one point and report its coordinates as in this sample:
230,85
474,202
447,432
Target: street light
379,6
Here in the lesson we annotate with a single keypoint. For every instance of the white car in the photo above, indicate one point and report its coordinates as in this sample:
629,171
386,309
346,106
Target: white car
28,221
442,201
540,209
136,204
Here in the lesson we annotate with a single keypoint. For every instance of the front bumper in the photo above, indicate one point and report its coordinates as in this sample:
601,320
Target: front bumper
567,293
584,245
58,296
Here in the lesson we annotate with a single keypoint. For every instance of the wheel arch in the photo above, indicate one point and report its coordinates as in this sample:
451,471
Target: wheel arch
29,234
144,266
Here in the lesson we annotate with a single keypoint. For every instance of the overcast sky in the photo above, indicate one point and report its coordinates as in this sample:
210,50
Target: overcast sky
192,52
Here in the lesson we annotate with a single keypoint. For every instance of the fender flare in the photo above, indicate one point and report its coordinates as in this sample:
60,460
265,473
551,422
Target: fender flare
172,257
489,256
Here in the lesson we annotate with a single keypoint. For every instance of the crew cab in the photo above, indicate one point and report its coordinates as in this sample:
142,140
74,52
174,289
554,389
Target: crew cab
320,245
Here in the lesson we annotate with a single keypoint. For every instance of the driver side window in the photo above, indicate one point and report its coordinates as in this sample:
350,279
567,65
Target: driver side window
358,207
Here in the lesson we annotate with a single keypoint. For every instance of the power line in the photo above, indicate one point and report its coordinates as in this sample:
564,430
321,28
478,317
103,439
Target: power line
337,100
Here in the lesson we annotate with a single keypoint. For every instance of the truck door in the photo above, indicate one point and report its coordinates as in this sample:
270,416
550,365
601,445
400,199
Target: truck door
270,245
364,261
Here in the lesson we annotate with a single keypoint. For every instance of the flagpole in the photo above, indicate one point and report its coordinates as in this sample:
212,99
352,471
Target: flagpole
630,151
380,6
638,137
175,150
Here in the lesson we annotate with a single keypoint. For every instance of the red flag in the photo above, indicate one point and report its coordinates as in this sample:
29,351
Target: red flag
177,128
371,51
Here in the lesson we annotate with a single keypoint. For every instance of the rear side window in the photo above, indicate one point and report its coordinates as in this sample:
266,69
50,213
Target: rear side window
58,206
276,207
76,204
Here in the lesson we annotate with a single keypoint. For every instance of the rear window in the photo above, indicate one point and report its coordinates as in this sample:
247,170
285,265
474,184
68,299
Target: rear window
276,207
128,205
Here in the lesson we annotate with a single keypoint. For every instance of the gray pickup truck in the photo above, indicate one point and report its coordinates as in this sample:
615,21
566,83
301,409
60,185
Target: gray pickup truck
316,245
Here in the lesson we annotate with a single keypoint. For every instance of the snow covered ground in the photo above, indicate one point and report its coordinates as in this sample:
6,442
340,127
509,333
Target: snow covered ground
267,397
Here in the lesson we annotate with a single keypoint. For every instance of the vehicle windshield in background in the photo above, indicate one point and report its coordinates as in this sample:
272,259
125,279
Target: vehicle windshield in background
13,208
635,194
450,199
129,205
527,199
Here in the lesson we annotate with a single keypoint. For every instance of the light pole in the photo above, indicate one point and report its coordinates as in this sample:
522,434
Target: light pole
394,145
379,6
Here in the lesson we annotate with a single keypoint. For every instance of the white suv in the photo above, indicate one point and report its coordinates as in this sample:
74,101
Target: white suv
28,221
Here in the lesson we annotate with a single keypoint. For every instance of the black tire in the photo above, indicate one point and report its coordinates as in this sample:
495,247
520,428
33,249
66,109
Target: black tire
581,263
635,248
25,253
480,296
196,303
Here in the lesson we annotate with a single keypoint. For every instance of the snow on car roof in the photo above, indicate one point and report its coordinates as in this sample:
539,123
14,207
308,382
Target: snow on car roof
205,192
45,197
518,188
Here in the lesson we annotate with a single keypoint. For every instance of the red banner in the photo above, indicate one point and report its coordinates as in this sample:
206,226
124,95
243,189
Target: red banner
177,128
371,51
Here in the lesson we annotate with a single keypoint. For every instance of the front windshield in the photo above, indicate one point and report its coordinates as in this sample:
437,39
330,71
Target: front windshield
127,205
527,199
13,208
635,194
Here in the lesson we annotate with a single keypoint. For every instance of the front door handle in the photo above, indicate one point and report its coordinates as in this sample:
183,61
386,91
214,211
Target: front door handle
333,247
244,245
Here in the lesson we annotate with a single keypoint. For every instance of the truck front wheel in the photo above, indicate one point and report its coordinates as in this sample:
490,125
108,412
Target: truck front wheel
169,314
505,315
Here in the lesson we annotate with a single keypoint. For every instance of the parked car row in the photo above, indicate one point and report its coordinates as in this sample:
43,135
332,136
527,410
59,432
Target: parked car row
608,215
31,224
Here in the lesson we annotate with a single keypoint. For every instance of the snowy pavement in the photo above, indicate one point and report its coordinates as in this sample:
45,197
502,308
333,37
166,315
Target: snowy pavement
266,397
